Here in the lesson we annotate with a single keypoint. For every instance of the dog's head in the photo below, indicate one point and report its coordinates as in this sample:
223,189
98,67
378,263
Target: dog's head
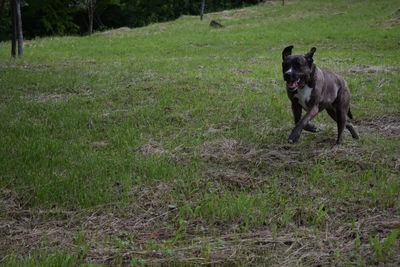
296,68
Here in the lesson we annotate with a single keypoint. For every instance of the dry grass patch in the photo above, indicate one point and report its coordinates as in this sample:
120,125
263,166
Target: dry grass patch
114,32
238,155
240,71
233,14
373,70
99,144
226,149
58,96
110,239
24,66
152,148
25,230
232,178
387,125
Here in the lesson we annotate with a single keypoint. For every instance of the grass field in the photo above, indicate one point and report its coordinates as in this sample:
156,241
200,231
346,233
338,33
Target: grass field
168,144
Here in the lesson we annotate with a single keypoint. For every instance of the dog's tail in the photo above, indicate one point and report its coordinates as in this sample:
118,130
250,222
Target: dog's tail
349,114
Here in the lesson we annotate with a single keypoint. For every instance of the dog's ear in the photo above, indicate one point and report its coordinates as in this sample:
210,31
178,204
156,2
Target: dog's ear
309,55
287,51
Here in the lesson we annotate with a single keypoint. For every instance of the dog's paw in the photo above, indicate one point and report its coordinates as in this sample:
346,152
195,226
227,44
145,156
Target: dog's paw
339,141
311,128
293,138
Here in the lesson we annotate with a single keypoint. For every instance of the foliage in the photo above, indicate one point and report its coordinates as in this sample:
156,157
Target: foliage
61,17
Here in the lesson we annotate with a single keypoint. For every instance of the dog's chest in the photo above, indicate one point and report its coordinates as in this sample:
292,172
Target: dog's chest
304,95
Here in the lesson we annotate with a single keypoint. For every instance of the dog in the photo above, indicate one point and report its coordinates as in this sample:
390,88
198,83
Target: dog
312,89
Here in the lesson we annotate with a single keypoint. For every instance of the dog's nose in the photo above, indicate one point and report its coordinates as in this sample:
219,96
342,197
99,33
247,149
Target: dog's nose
287,75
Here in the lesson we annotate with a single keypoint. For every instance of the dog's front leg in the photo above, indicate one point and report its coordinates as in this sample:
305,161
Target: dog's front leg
295,134
297,109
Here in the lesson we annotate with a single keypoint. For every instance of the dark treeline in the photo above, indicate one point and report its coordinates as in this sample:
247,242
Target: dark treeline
61,17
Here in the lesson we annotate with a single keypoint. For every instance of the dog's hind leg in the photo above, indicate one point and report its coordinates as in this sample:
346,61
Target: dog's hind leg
341,117
340,121
351,129
349,126
344,106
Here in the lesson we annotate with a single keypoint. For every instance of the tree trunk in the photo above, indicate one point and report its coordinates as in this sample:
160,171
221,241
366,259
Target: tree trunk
98,21
203,4
19,28
90,9
283,2
14,29
90,24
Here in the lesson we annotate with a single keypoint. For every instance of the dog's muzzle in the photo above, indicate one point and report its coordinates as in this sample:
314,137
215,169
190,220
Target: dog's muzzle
292,86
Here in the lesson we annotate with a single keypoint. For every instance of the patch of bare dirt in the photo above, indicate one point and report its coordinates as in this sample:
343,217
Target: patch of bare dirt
373,70
388,125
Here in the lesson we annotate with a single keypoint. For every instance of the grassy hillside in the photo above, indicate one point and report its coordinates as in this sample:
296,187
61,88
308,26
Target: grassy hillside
168,143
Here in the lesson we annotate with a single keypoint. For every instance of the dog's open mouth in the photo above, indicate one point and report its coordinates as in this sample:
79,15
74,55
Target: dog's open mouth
293,85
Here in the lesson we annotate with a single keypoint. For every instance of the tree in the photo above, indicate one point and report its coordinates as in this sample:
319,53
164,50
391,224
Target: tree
17,36
90,7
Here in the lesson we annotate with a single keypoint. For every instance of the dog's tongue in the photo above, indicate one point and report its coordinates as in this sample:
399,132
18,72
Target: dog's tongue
293,84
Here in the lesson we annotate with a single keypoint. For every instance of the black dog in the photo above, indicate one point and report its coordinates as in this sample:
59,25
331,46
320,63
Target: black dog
314,90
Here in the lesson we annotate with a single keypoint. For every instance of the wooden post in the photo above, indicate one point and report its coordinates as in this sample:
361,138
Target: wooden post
203,4
14,29
90,10
17,37
19,28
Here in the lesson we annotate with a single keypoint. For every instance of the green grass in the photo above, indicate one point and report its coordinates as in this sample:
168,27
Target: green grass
173,138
